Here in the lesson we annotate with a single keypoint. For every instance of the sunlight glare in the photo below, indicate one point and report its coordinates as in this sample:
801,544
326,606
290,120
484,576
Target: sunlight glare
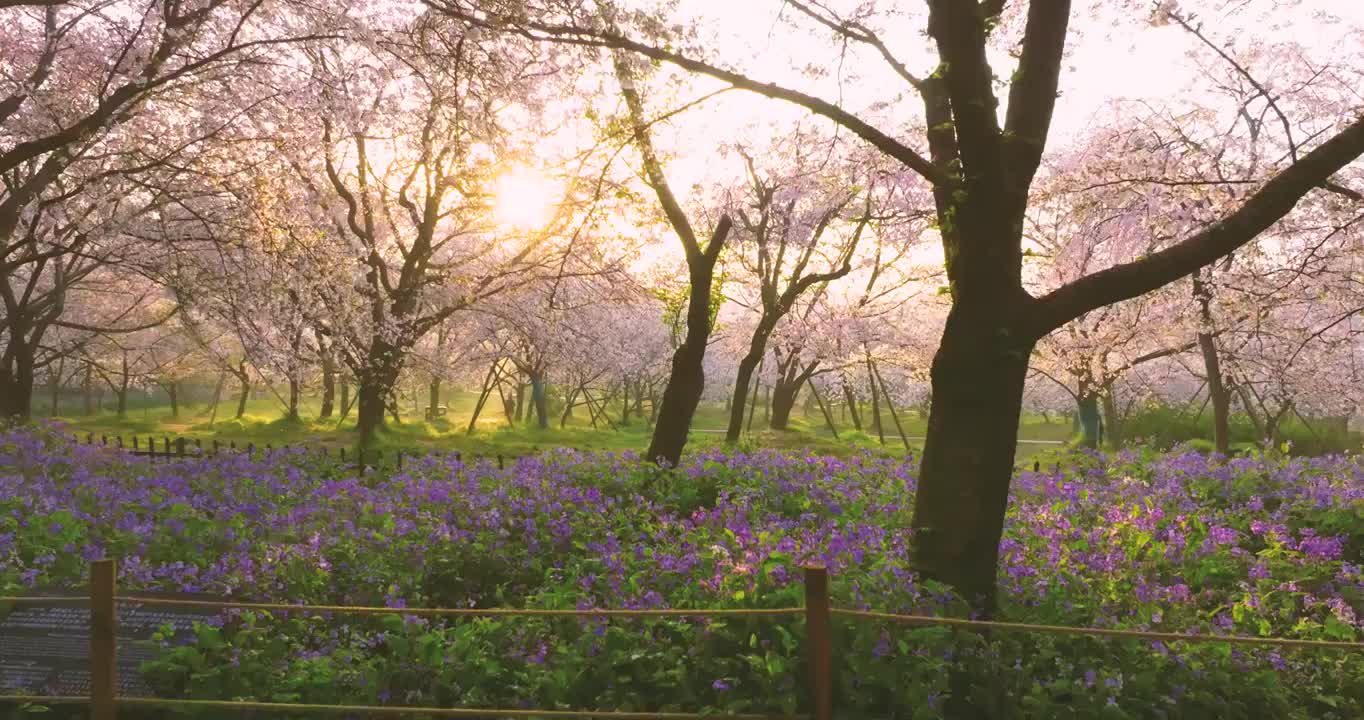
525,200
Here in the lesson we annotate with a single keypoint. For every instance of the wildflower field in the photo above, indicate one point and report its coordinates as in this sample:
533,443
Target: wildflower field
1172,542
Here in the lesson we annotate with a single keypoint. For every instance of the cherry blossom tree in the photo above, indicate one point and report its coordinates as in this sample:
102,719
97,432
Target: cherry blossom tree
981,164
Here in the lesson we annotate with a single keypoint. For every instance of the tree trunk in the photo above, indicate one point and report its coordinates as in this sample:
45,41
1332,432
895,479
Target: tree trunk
369,415
851,399
345,400
747,365
520,410
1217,389
875,405
828,417
625,403
1112,424
433,395
568,407
540,401
173,392
1087,405
328,385
123,387
16,380
55,381
88,390
295,394
244,379
687,380
977,380
783,401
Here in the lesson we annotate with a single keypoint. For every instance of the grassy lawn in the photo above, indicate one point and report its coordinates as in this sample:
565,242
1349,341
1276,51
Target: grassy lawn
264,424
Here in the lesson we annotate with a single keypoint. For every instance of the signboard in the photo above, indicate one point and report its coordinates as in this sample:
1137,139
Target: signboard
45,649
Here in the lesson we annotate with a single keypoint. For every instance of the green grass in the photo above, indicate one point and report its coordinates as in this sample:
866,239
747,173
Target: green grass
264,423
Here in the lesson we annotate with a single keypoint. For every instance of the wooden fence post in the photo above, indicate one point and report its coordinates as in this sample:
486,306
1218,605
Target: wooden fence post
819,641
215,446
1037,466
135,448
103,651
167,439
500,465
180,446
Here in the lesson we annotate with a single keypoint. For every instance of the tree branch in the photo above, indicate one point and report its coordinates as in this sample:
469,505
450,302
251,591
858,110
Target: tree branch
1271,203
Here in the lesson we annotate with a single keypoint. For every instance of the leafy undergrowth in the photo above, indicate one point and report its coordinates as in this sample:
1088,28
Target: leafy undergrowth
1171,542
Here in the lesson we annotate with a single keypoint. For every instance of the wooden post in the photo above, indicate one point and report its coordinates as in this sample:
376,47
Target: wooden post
119,441
343,455
151,451
819,642
180,446
89,438
1037,466
251,450
215,446
500,464
135,448
234,444
167,439
199,445
400,461
103,439
103,652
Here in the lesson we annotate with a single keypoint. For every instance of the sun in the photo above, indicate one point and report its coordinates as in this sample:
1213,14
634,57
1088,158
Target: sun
525,200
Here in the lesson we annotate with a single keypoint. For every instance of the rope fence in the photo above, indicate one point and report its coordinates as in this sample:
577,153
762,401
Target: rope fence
818,648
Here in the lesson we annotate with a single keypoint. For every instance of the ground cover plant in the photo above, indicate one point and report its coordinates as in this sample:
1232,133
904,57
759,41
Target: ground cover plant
1174,542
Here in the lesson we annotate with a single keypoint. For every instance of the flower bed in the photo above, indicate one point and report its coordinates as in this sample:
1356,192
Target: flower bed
1164,542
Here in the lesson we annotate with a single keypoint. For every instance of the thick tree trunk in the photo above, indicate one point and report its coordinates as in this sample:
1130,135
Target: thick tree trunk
977,380
375,389
783,401
540,401
687,380
851,399
16,380
1087,406
369,415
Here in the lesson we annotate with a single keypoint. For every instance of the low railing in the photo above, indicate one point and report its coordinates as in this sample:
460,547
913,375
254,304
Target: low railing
818,648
